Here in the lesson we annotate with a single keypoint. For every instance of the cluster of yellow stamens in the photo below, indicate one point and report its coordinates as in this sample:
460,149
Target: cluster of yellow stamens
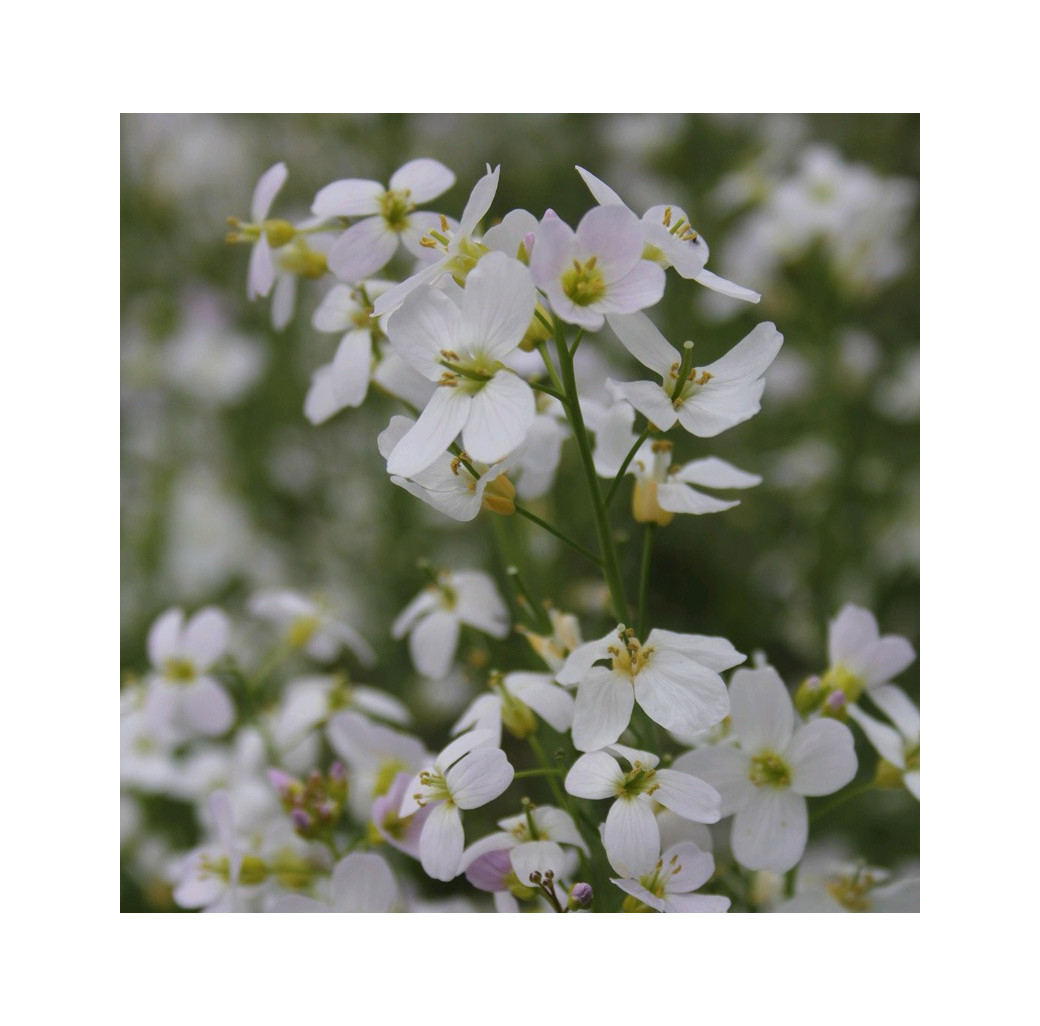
681,229
631,656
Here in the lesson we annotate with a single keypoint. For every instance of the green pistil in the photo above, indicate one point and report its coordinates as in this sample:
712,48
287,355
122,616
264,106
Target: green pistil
638,781
769,770
180,671
395,206
583,284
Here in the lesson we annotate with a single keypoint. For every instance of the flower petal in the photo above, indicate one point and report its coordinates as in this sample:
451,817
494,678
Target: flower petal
424,178
770,831
641,338
270,184
497,305
206,637
164,637
362,250
349,197
480,777
727,288
594,775
500,415
442,842
432,644
363,882
602,709
688,796
631,837
681,695
432,433
761,710
898,707
822,757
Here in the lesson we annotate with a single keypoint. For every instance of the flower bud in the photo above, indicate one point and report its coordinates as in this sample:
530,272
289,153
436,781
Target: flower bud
580,897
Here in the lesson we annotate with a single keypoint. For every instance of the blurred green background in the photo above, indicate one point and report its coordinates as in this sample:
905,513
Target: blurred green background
227,487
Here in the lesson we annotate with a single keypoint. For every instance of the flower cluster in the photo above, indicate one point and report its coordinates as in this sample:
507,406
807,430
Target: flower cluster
337,803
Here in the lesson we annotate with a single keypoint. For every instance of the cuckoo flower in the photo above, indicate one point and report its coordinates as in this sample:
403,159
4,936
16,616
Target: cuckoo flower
432,619
448,484
449,250
388,216
461,347
764,777
631,835
182,698
597,269
674,678
671,241
469,773
704,400
668,886
899,748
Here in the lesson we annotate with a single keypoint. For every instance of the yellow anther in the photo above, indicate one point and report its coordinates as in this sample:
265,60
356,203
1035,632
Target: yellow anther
444,224
667,216
427,242
661,445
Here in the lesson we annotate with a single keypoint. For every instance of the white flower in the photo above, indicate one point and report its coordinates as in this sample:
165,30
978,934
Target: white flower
432,619
513,700
447,484
344,382
764,777
707,400
859,657
461,348
388,216
663,488
843,886
554,648
667,887
310,625
308,702
454,251
281,251
182,698
674,678
361,882
597,269
899,748
631,836
466,775
670,240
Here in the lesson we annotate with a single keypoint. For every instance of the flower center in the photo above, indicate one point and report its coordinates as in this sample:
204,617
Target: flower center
638,780
298,258
583,284
395,206
179,671
301,630
769,770
852,891
630,656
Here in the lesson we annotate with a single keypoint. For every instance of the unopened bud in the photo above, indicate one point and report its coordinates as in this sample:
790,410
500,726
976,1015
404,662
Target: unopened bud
580,896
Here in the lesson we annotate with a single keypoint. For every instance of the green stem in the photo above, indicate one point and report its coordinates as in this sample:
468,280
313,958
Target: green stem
547,772
546,526
616,483
608,553
561,796
644,581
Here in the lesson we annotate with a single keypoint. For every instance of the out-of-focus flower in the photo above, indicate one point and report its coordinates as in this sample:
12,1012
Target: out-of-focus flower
433,618
388,216
513,700
361,882
183,699
310,625
900,749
